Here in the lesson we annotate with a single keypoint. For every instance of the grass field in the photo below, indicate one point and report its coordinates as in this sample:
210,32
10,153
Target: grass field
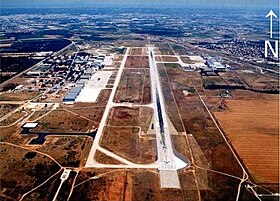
126,142
206,139
187,60
165,49
133,117
134,87
104,159
37,114
170,103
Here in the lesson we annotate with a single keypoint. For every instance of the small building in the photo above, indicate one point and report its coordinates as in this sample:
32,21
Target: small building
30,125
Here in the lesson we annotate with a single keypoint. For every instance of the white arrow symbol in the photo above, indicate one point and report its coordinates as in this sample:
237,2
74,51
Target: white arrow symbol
271,14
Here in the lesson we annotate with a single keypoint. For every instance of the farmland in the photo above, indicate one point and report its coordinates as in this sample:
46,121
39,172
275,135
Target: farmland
256,136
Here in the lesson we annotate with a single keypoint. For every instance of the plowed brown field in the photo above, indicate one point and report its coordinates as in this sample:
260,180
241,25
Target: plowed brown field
252,127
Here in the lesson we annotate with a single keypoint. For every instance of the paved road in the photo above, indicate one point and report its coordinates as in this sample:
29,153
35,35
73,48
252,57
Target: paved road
90,161
64,176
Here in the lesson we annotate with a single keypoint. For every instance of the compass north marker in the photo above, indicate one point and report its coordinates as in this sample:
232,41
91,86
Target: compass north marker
271,14
274,51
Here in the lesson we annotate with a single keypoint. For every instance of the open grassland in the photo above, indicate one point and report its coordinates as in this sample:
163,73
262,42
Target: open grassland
170,103
178,49
165,49
12,134
126,142
100,157
252,126
188,60
133,117
138,51
166,59
205,138
258,81
128,185
69,151
134,87
16,116
46,191
6,108
61,120
93,113
18,96
22,170
38,114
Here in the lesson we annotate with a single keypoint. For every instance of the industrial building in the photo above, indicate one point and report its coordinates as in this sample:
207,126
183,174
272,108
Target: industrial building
215,65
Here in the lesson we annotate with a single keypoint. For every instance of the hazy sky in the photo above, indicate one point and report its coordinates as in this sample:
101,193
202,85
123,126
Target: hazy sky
144,3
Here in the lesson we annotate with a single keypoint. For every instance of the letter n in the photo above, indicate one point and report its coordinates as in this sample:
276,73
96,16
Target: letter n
273,51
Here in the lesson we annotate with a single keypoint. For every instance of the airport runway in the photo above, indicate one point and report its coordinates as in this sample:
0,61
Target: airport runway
169,163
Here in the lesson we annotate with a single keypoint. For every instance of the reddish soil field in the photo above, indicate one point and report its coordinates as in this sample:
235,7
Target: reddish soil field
130,185
138,51
137,62
100,157
166,59
126,116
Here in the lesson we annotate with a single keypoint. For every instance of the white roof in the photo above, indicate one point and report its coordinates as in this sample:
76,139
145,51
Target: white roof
197,58
30,125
